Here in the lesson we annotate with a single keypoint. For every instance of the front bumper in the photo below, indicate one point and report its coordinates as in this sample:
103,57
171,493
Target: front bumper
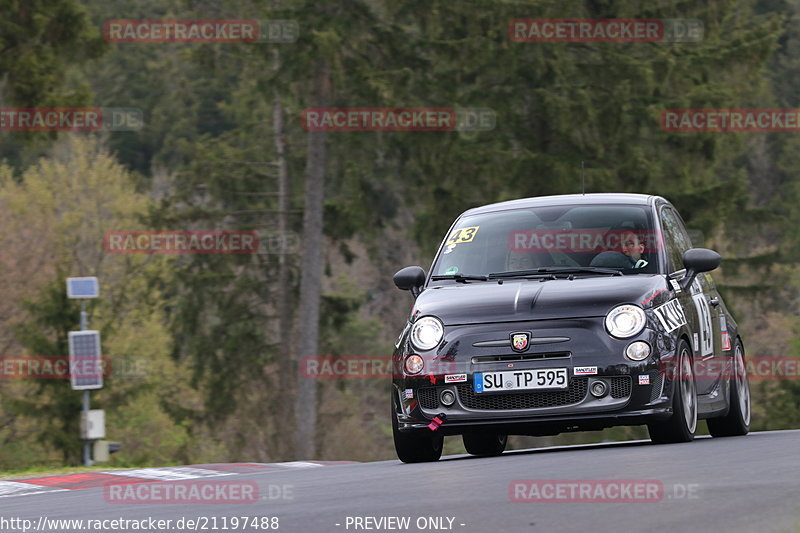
542,426
638,391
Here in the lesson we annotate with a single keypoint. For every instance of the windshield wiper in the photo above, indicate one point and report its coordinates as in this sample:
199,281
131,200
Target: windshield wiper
529,273
460,277
555,270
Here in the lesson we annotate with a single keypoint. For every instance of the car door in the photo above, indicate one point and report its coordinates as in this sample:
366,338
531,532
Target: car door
697,302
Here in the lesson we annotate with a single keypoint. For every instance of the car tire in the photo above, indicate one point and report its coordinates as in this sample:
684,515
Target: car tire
682,425
737,421
484,444
416,446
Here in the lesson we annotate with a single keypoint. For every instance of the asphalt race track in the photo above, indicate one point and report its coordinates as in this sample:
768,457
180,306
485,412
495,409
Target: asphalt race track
748,484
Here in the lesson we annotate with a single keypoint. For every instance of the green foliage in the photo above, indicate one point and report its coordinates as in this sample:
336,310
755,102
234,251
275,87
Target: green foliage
52,403
41,41
38,40
77,194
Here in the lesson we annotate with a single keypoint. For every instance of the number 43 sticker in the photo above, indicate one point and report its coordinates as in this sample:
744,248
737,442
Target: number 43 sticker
462,235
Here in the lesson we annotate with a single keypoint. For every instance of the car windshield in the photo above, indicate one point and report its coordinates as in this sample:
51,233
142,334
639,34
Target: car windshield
571,239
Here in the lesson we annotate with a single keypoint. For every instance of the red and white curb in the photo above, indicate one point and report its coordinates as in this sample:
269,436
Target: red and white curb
89,480
17,488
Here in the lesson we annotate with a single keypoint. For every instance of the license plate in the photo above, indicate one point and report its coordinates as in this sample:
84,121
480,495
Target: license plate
539,378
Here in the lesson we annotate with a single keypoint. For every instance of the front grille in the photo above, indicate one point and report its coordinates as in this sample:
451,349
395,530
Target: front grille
620,387
428,398
524,400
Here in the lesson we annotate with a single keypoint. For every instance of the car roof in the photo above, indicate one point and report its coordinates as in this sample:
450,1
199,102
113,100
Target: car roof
566,199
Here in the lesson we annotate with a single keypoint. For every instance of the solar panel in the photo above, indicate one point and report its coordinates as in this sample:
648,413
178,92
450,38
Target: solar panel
83,287
85,362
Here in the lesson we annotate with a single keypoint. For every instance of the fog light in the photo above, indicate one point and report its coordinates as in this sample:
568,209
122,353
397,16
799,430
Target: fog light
447,397
637,351
414,364
599,389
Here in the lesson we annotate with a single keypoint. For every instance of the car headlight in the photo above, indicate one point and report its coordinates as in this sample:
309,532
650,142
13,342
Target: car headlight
625,321
426,333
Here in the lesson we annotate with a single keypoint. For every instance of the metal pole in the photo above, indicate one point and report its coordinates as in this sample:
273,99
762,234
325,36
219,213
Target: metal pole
87,459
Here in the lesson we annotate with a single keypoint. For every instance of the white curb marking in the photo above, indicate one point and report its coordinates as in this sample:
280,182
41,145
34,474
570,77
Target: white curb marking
169,474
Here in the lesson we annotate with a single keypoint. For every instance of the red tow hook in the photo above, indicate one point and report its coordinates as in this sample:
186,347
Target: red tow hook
437,421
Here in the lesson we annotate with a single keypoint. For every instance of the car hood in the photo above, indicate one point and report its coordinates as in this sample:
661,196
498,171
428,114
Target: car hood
522,300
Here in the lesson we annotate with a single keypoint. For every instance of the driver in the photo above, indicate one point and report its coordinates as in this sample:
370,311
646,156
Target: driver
633,248
631,256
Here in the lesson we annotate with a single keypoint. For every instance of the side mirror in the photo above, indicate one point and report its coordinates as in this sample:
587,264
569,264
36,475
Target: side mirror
698,260
410,279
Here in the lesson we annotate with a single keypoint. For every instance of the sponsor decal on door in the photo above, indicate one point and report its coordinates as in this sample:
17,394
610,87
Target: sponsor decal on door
670,315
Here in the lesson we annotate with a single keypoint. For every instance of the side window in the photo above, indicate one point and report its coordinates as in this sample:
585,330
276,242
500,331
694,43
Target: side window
675,237
682,236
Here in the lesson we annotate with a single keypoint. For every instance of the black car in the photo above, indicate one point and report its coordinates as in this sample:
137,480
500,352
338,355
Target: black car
565,313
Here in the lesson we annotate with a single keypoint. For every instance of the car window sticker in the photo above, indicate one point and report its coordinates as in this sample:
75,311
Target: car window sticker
462,235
